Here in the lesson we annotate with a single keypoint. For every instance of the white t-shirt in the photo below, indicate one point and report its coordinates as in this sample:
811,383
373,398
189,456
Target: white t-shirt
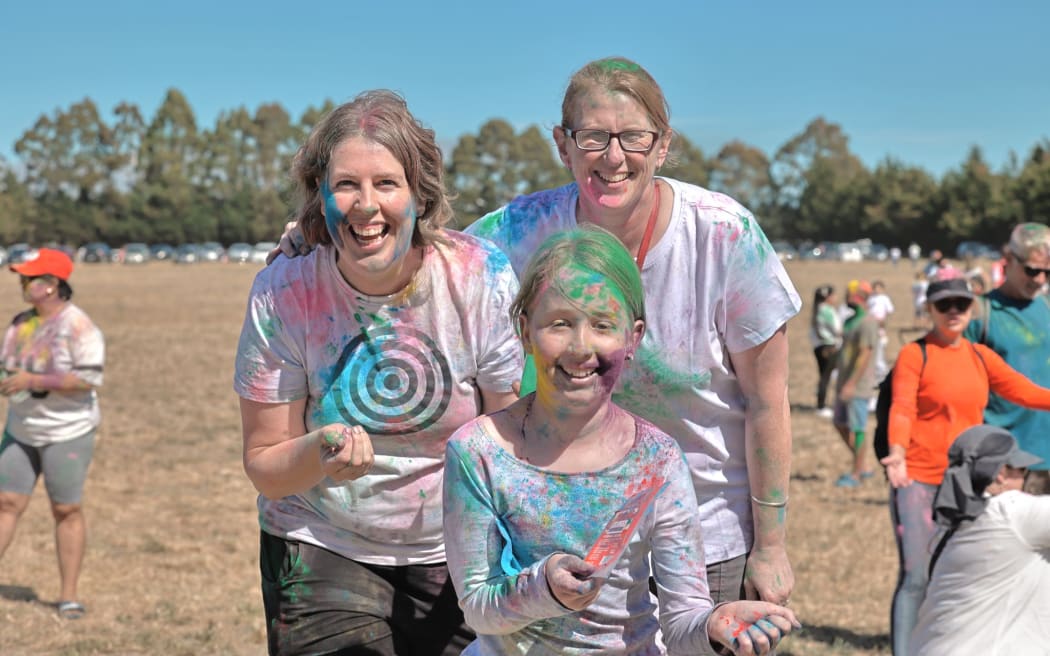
990,591
67,342
713,286
406,367
879,307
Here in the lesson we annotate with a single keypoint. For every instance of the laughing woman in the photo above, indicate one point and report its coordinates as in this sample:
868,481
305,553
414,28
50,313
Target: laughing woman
355,364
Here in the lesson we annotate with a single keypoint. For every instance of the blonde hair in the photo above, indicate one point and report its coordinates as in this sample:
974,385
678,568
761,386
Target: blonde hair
620,75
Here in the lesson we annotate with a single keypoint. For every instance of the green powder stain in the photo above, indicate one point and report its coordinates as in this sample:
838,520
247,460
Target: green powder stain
618,65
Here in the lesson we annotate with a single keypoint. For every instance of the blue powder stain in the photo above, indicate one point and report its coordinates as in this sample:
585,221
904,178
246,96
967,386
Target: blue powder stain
332,216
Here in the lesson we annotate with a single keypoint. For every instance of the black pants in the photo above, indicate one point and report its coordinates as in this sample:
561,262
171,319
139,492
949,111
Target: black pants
827,357
318,602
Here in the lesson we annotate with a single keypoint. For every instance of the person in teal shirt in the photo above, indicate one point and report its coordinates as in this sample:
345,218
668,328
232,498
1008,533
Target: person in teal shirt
1015,323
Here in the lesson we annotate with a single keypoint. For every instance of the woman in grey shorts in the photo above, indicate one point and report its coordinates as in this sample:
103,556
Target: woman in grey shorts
52,358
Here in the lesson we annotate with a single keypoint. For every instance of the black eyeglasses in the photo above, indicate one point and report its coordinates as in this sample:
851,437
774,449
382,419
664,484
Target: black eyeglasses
631,141
1030,271
957,303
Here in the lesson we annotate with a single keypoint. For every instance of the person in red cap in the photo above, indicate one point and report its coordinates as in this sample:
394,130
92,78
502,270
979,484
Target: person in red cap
52,356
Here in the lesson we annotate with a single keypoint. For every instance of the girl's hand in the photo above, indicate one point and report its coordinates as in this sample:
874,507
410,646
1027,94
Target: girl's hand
567,577
346,452
896,467
751,627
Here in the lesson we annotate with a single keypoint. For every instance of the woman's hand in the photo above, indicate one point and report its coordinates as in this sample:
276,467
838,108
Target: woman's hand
346,452
292,244
896,467
751,627
14,381
567,577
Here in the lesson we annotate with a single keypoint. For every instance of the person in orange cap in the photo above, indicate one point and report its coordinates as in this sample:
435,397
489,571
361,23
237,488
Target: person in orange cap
52,355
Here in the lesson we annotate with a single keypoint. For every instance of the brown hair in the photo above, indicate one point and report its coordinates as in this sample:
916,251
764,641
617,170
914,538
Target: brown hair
621,75
380,116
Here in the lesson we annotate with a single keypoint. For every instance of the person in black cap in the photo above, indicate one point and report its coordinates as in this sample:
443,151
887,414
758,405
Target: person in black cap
989,590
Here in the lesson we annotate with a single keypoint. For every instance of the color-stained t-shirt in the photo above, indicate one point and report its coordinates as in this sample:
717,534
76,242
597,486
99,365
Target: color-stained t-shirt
1019,331
504,517
929,411
406,367
990,589
713,286
66,342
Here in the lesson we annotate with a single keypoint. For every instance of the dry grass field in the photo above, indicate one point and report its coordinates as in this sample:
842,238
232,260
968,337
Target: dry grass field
172,544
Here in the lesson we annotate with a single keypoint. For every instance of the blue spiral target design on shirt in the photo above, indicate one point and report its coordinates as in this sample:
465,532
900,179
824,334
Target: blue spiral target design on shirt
392,382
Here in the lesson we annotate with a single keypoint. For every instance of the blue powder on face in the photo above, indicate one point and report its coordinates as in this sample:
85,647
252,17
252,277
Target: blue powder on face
332,216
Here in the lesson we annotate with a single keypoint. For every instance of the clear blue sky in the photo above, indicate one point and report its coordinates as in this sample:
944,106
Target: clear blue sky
919,81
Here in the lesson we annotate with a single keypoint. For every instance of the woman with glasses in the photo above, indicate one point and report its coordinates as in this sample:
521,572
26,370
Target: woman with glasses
52,356
940,388
712,368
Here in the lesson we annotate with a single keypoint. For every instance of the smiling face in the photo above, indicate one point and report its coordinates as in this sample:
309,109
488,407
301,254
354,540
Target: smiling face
579,333
611,181
371,216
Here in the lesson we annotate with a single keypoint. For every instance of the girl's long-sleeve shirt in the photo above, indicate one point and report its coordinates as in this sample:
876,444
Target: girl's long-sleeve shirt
505,517
932,404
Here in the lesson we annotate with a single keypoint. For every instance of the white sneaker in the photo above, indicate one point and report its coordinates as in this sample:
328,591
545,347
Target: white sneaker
826,413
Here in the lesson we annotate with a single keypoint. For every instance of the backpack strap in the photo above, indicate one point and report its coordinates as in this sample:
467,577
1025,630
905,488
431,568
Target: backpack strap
939,548
922,347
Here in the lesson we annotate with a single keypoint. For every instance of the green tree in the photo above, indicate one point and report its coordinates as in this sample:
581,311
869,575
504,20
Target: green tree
488,170
741,171
686,162
898,206
974,203
169,196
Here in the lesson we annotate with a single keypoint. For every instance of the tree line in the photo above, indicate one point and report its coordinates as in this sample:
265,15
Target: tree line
83,176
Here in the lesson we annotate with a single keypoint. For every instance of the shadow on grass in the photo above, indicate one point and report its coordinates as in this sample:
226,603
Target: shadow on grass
837,637
18,593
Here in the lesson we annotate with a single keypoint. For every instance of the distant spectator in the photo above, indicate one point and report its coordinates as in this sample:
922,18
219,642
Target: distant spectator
935,264
998,270
918,297
914,253
880,307
825,334
895,255
989,590
1017,327
855,386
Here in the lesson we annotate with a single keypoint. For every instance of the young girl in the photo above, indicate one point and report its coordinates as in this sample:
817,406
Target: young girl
529,489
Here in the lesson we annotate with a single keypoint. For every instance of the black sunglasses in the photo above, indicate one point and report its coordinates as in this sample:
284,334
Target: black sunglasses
1030,271
958,303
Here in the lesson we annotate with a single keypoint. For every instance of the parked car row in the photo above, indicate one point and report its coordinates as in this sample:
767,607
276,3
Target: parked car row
141,253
